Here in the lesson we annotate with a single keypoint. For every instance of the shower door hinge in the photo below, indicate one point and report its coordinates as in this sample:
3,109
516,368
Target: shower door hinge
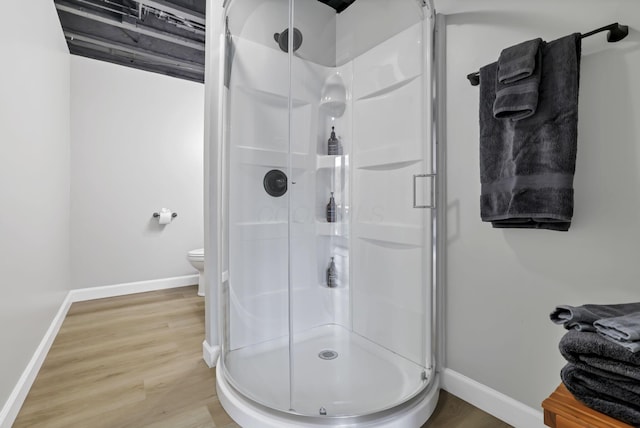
426,373
432,205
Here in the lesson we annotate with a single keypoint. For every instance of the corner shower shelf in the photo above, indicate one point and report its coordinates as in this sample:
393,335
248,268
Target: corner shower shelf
331,161
332,229
411,236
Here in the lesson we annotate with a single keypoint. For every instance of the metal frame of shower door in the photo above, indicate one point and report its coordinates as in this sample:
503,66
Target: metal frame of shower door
439,277
290,193
222,182
212,345
434,65
433,62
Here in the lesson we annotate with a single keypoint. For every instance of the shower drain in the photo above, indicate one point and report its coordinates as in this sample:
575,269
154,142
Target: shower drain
328,354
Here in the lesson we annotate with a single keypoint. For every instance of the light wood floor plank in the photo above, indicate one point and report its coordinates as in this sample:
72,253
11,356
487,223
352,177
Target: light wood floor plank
136,362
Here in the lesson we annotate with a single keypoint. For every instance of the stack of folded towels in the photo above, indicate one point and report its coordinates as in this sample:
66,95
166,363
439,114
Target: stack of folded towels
602,348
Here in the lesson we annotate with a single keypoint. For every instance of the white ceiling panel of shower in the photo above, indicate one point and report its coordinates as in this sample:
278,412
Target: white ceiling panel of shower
329,37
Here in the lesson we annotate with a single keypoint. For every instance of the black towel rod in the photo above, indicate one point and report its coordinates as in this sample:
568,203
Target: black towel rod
616,33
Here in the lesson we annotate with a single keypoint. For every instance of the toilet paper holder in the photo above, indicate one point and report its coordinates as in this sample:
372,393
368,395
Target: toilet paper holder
174,215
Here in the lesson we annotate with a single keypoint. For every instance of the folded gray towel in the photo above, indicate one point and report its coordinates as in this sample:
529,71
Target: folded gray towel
583,317
518,99
623,330
527,166
518,61
592,353
630,346
620,400
625,327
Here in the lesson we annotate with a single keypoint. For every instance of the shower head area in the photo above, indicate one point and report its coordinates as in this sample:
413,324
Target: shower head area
327,306
283,39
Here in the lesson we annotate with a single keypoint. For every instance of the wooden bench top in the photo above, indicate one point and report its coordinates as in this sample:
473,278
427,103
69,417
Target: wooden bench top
562,410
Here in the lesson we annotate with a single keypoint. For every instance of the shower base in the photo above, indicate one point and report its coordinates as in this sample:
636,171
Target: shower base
336,374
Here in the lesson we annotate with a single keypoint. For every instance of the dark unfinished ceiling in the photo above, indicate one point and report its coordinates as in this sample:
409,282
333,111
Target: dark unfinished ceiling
338,5
161,36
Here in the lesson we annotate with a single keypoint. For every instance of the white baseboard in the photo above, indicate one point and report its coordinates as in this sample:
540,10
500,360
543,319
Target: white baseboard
491,401
210,354
13,404
91,293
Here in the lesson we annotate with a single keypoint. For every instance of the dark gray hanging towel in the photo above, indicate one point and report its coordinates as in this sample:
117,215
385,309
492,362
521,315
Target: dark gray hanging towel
519,70
518,62
527,166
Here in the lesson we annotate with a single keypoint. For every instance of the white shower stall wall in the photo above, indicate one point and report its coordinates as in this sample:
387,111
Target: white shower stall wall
278,311
389,269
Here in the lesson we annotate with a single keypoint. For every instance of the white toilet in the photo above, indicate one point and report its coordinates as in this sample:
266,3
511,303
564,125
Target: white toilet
196,258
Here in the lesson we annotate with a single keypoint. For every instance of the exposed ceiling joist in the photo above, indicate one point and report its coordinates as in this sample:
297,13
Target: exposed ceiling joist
176,63
162,36
131,27
175,9
102,54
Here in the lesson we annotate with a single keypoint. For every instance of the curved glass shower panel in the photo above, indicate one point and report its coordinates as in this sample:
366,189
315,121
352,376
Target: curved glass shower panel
360,263
328,302
256,337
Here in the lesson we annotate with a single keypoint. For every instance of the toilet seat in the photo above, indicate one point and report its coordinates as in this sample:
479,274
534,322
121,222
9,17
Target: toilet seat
196,254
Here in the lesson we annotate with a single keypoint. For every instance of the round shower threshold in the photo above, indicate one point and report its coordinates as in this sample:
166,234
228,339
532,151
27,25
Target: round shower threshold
249,414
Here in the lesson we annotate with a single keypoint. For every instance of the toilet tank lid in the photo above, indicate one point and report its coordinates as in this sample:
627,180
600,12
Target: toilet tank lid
198,252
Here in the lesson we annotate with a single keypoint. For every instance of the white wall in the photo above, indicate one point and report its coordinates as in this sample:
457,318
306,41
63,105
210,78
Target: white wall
502,284
34,181
136,147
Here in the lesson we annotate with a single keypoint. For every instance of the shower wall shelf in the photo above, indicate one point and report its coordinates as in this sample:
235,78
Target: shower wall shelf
332,229
390,233
271,158
329,161
388,157
333,99
386,89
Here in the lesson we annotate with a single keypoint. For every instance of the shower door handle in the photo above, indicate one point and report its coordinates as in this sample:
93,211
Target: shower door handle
433,185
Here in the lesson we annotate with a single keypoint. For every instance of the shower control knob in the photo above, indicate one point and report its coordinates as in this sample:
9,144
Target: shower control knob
275,183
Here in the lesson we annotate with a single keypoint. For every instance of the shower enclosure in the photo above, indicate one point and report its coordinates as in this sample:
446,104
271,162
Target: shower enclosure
328,293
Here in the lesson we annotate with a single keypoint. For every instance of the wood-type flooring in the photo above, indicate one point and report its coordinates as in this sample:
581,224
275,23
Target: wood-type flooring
136,362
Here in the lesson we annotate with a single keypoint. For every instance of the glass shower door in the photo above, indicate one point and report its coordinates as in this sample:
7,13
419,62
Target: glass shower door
319,216
329,255
256,136
359,251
